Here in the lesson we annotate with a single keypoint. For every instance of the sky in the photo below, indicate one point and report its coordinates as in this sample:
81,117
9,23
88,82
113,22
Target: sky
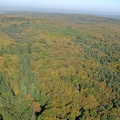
100,6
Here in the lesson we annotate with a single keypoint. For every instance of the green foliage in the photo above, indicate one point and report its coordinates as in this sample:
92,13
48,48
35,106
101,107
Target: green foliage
43,41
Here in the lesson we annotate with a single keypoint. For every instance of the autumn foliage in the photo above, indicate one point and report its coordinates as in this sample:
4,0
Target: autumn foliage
59,67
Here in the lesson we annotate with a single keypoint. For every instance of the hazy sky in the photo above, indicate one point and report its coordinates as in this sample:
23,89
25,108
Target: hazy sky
107,6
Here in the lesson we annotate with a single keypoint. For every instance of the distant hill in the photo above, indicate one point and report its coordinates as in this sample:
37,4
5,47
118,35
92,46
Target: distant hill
113,16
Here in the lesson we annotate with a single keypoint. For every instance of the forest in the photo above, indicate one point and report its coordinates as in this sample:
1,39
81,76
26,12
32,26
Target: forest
59,67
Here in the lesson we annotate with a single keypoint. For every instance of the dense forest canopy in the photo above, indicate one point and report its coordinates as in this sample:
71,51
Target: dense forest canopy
59,67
